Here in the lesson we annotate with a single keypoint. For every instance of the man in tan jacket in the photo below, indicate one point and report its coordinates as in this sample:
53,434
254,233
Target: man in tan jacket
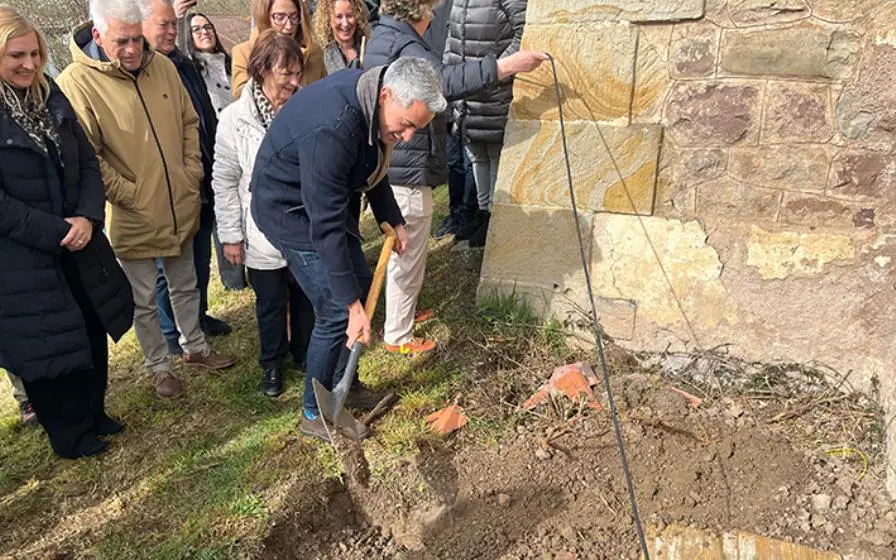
141,122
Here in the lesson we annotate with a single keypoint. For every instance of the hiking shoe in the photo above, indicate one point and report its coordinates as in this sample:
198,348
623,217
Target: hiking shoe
423,315
214,327
174,347
103,425
469,227
271,382
362,397
449,226
315,428
209,359
414,346
28,416
167,386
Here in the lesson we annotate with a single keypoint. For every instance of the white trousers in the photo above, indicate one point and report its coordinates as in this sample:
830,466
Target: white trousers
404,277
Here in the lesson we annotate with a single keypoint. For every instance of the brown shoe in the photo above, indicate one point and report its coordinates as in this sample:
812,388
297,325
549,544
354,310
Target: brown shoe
208,359
167,386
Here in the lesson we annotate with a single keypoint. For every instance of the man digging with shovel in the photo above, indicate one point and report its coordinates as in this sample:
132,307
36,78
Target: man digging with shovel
331,142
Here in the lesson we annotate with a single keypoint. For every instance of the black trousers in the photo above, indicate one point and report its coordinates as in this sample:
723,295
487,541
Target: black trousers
275,292
67,406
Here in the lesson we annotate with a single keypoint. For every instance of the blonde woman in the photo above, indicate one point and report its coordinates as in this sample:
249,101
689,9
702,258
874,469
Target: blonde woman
342,28
62,289
290,17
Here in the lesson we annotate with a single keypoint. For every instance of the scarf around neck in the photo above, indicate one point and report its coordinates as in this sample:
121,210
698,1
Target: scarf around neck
266,112
32,117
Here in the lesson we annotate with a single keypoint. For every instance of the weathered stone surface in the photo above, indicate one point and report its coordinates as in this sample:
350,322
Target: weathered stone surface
859,175
778,255
745,13
652,80
585,11
595,66
842,11
740,201
821,212
533,169
522,246
806,50
797,112
712,113
685,543
799,167
692,53
866,111
625,267
699,165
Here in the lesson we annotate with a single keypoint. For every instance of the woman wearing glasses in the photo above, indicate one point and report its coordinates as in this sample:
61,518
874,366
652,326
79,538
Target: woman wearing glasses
291,18
197,37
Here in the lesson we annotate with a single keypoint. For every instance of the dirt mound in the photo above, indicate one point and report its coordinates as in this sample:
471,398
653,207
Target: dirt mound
554,488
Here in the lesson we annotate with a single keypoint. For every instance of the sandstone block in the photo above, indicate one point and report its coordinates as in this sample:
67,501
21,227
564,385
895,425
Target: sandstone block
777,255
859,175
820,212
695,166
745,13
692,53
652,80
806,50
713,113
595,66
842,11
582,11
866,112
533,170
740,201
535,245
795,167
797,112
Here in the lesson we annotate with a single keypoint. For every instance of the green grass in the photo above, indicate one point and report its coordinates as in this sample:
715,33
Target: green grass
205,475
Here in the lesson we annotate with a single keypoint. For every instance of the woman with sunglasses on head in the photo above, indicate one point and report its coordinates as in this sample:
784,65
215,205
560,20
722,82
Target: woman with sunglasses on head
290,17
340,26
62,289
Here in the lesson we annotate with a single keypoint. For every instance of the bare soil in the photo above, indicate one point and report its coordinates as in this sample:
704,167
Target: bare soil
771,464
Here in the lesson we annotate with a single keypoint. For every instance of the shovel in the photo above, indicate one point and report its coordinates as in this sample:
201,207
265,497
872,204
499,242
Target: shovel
332,403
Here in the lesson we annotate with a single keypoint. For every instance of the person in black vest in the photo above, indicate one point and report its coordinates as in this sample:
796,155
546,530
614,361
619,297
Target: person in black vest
160,30
62,289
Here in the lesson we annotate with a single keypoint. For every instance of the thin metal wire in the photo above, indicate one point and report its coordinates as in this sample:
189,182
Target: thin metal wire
614,413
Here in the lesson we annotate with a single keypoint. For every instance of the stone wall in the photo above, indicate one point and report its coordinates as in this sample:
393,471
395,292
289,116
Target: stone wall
753,203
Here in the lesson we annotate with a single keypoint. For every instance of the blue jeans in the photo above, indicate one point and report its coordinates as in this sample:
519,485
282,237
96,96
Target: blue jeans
202,259
462,199
327,354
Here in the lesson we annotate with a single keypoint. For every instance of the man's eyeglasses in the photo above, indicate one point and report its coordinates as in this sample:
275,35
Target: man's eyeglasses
280,18
208,28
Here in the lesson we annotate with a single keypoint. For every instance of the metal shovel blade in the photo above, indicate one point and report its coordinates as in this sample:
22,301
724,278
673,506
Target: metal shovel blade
331,404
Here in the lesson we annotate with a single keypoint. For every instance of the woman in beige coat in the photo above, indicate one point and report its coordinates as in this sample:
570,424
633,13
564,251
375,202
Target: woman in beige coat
289,17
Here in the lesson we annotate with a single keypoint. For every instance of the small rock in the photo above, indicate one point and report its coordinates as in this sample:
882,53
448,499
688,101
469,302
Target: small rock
695,497
503,500
818,521
343,547
878,538
840,502
821,502
829,529
542,454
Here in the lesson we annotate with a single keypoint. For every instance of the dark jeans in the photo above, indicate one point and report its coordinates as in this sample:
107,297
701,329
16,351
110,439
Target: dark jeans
202,259
275,292
327,354
233,277
67,406
461,182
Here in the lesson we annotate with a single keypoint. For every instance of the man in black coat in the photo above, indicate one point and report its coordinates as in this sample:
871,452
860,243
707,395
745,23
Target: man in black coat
331,142
160,30
419,164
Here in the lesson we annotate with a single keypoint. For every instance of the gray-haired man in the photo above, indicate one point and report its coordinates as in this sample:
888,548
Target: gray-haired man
331,142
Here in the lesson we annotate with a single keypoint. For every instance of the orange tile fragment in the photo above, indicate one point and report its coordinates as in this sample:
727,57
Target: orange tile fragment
572,381
447,420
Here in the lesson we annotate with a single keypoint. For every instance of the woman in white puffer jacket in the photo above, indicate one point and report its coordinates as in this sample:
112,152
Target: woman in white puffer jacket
275,68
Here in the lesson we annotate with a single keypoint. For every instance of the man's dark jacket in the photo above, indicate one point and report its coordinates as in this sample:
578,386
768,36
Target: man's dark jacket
42,329
208,119
312,165
423,160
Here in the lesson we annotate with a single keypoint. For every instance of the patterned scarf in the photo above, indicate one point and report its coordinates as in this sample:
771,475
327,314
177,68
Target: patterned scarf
33,117
265,109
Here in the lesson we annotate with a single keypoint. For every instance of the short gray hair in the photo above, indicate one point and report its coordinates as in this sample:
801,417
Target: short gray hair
414,79
128,11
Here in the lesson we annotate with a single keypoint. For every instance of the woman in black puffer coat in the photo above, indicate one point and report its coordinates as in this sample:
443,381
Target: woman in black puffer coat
479,29
62,288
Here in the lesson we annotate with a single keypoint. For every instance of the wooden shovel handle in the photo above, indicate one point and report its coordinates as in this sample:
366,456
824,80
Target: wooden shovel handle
379,275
